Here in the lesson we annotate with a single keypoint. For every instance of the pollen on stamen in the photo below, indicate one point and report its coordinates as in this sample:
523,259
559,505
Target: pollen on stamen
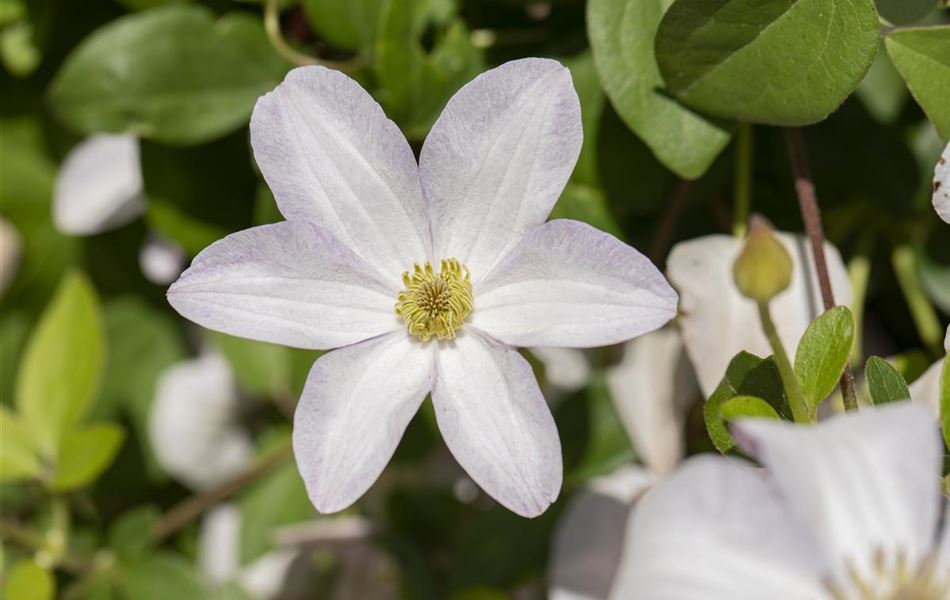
435,304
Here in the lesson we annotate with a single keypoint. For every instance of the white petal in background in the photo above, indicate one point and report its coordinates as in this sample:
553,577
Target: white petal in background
331,157
496,423
99,186
10,250
354,409
942,185
498,157
863,482
161,261
925,390
717,322
193,426
566,369
653,387
568,284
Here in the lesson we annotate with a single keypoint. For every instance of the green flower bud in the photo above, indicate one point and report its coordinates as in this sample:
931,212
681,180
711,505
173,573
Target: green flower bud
763,268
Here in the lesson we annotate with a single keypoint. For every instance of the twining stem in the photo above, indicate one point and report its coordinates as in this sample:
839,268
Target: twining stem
808,203
793,392
921,310
272,27
743,180
191,508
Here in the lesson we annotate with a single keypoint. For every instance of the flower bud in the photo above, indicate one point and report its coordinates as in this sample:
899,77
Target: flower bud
763,268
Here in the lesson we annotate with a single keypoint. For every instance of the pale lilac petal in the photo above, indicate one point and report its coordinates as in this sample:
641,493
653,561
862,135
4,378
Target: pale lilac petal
943,545
589,537
498,157
569,284
941,198
496,423
193,425
354,409
219,543
925,390
652,388
267,575
161,261
864,482
716,530
99,186
331,157
565,369
717,322
289,283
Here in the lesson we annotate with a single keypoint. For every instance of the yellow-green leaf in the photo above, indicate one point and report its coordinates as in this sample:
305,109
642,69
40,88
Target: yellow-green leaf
85,454
823,353
743,407
17,458
28,581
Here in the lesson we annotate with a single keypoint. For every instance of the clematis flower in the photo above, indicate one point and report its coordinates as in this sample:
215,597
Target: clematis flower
846,509
941,198
425,276
161,261
925,390
714,331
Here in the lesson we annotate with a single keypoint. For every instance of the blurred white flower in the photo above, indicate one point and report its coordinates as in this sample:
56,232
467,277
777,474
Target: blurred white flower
193,425
925,390
941,198
717,323
848,508
381,254
566,369
99,186
10,252
161,261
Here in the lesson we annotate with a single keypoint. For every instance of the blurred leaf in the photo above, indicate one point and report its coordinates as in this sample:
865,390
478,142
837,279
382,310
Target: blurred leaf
130,534
945,401
174,73
84,454
922,55
935,279
621,37
346,23
161,577
17,50
608,445
232,591
61,366
146,4
586,203
882,90
28,174
17,458
14,328
186,231
11,11
743,407
278,499
823,353
479,593
28,581
885,383
905,12
259,367
783,62
591,96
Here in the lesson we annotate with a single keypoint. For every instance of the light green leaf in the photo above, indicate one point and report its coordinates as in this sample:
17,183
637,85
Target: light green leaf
18,50
607,443
743,407
905,12
885,383
780,62
17,458
588,204
259,367
164,576
84,454
175,74
823,353
61,366
130,534
621,36
346,23
28,581
882,91
922,55
279,499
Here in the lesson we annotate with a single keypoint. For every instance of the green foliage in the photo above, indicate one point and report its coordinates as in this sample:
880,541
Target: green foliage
781,62
26,580
259,367
84,454
18,458
922,55
349,24
904,12
279,499
196,78
745,407
130,534
823,353
163,576
607,445
885,383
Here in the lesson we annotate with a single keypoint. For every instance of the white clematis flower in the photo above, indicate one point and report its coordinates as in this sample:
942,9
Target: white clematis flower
942,185
846,509
99,186
161,261
717,322
424,275
925,390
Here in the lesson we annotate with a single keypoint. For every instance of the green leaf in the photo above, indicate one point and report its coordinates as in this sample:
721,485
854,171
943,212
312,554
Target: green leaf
780,62
277,500
885,383
84,454
588,204
61,366
746,375
18,49
346,23
743,407
17,458
164,576
259,367
130,534
607,443
904,12
882,91
175,74
823,353
28,581
621,36
922,55
592,99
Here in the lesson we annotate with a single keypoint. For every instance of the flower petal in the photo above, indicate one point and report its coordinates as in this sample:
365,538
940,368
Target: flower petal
99,186
498,157
354,409
331,157
161,261
11,247
652,389
941,198
565,369
496,423
925,390
717,323
290,283
219,543
864,482
716,530
569,284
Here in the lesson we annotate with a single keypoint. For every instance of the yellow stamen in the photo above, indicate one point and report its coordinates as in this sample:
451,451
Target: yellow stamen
435,304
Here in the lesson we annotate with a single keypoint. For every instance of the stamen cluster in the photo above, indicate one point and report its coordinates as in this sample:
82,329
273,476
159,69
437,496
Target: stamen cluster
895,579
435,304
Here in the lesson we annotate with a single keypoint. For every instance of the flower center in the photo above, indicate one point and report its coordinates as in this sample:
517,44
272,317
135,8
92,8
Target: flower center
895,580
435,304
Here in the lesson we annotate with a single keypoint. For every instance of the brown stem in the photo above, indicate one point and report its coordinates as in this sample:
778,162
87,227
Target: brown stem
667,227
811,215
191,508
